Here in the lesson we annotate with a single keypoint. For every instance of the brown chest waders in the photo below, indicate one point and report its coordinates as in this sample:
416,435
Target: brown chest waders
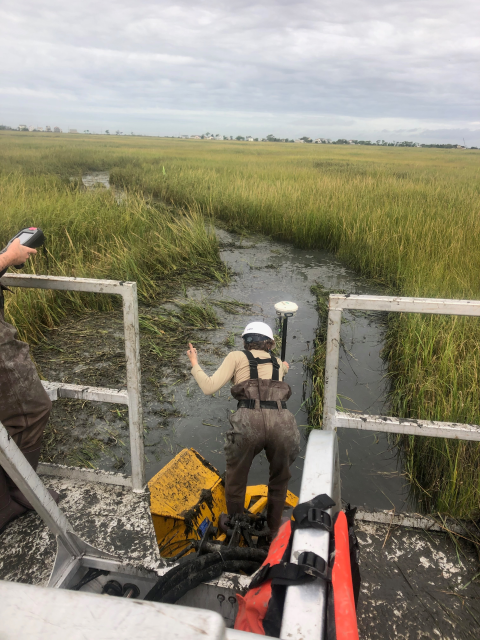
24,411
261,422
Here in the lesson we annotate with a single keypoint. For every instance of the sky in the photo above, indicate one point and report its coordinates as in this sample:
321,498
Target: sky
361,69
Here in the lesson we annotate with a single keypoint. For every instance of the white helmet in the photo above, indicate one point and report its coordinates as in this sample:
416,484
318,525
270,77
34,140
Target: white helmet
258,328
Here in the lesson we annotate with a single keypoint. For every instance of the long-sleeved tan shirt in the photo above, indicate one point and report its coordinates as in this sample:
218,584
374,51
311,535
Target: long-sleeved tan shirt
235,366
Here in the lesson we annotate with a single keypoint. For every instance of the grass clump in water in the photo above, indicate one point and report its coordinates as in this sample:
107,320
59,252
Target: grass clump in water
198,315
230,340
86,454
233,307
167,334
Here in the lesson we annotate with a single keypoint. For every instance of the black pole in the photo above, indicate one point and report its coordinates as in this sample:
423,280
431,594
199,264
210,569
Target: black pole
284,338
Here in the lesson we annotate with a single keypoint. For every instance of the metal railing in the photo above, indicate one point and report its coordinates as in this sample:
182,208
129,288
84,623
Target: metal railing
305,607
131,396
332,419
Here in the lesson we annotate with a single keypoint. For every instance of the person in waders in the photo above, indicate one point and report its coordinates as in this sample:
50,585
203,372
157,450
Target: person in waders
24,404
261,422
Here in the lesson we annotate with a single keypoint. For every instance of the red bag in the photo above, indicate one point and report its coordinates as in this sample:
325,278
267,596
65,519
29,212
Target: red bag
253,608
260,610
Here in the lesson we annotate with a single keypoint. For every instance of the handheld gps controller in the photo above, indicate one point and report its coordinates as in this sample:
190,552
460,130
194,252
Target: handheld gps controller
31,237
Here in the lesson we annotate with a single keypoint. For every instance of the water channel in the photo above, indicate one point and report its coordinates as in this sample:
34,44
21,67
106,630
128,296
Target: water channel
266,272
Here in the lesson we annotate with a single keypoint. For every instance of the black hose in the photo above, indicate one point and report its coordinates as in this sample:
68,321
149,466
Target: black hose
158,589
215,571
178,574
181,553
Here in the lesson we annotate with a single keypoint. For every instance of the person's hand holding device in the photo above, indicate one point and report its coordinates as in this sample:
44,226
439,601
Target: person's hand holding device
20,248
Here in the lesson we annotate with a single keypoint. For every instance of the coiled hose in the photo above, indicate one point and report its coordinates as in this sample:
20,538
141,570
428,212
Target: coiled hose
188,575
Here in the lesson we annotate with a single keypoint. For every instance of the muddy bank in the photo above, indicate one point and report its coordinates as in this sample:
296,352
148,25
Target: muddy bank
176,414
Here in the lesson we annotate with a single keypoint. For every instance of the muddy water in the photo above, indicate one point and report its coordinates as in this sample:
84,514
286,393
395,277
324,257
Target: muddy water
96,178
178,415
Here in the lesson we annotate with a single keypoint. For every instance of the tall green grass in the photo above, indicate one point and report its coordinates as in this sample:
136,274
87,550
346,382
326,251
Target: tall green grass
91,234
408,218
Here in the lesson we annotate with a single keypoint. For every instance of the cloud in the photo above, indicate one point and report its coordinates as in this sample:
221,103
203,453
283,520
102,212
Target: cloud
302,68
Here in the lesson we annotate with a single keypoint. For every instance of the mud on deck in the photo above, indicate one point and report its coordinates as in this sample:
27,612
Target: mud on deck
111,518
416,584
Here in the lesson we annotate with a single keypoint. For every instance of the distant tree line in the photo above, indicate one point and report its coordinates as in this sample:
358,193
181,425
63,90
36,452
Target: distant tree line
377,143
305,139
272,138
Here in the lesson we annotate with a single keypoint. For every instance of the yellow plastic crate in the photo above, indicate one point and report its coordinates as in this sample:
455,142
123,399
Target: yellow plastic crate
187,494
183,495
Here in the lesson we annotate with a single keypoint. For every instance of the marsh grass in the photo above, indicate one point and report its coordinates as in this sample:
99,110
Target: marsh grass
434,366
407,218
90,234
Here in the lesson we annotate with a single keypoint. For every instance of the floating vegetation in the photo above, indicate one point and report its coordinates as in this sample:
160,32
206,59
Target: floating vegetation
167,334
197,315
119,463
230,340
86,454
233,306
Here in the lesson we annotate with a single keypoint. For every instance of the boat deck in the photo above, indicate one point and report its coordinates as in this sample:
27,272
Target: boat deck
416,584
111,518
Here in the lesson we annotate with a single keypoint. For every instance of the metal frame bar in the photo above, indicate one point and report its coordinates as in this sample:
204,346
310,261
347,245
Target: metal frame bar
16,466
132,396
332,419
304,612
409,520
30,611
70,548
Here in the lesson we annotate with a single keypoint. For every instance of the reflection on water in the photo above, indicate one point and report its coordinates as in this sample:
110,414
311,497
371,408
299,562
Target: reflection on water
96,178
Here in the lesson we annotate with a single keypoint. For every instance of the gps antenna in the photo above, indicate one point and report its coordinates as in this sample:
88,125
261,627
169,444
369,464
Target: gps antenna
285,310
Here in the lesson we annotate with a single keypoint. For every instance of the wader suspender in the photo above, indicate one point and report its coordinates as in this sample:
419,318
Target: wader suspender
254,362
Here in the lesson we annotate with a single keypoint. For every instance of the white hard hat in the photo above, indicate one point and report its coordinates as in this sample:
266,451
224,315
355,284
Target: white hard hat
260,328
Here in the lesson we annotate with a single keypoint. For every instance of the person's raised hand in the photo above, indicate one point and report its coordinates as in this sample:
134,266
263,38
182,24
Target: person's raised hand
17,253
286,365
192,354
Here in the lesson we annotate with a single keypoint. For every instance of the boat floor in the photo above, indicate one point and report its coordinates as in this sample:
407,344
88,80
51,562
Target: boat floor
111,518
416,584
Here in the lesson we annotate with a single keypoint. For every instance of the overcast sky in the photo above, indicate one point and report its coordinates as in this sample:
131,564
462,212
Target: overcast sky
365,69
